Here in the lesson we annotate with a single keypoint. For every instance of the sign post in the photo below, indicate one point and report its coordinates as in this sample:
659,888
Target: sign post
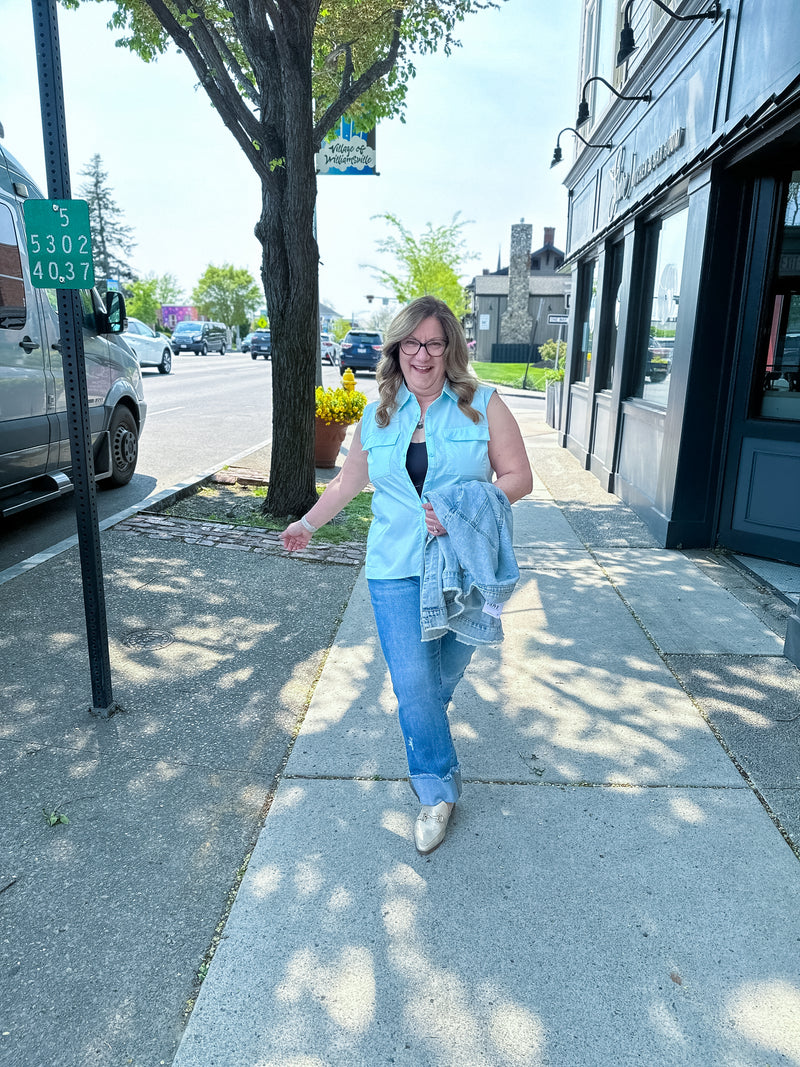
60,227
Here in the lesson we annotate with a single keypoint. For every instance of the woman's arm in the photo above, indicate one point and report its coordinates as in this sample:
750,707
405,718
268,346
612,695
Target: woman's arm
348,483
507,453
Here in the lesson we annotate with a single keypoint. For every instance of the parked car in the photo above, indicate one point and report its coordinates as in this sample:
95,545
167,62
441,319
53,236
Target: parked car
261,344
659,358
330,349
361,350
200,337
151,349
35,456
244,344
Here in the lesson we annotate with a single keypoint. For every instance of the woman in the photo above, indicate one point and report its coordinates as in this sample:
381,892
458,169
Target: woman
434,427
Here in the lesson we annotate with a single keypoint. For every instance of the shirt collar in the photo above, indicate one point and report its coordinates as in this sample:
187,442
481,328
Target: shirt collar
404,394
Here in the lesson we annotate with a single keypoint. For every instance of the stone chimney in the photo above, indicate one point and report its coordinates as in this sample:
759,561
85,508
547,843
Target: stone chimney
549,235
516,323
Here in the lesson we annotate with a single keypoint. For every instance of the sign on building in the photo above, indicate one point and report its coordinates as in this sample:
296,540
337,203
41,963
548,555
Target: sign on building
484,322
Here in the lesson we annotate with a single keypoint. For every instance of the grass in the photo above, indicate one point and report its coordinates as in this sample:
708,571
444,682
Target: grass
511,374
240,505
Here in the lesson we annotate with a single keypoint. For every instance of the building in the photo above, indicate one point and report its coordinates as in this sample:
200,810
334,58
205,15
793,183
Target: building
682,386
547,296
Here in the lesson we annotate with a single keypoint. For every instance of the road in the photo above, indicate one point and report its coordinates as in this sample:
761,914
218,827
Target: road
208,411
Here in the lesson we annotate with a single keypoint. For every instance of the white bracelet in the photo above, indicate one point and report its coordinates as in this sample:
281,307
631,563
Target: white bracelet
307,525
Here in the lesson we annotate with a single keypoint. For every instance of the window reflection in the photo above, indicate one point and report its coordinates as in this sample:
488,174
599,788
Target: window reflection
780,391
655,364
587,320
12,287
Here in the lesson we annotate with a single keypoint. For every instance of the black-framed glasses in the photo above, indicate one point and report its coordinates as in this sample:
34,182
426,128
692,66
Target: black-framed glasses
410,346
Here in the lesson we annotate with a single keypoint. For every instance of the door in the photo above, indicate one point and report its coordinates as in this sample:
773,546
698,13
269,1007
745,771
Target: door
761,498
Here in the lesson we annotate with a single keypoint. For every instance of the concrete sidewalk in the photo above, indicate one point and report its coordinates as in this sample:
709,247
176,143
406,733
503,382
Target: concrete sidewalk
611,890
619,884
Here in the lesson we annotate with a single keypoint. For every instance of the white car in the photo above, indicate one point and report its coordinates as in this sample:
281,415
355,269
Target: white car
330,349
150,348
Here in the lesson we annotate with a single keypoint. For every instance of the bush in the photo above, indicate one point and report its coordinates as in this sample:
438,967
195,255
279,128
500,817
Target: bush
555,353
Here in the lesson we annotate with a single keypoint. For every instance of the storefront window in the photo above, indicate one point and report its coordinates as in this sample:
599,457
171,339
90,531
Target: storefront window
654,365
586,320
780,384
615,262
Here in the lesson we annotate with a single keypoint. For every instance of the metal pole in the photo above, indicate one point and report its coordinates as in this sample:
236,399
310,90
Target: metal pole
70,320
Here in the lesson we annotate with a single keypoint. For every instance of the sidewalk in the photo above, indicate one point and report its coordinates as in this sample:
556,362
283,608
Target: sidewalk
611,890
616,886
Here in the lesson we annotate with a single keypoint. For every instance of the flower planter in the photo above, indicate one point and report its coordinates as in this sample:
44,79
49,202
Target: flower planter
328,438
552,403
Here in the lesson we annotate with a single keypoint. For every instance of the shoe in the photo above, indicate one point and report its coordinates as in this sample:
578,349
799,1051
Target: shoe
431,826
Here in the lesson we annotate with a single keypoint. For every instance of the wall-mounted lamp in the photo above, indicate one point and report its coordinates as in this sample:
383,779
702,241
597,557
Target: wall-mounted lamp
557,156
627,44
583,107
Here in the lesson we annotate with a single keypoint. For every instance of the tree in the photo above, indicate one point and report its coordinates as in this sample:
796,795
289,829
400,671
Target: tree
428,265
112,240
339,328
227,294
143,302
167,289
281,74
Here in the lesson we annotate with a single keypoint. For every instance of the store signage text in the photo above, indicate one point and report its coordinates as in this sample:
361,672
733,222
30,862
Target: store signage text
625,179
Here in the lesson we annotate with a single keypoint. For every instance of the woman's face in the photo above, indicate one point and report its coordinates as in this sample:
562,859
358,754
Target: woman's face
424,373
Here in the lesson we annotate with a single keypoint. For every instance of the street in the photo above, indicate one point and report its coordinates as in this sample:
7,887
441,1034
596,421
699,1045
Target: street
209,410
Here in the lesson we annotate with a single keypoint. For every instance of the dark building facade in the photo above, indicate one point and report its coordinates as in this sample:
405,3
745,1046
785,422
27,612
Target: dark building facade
682,387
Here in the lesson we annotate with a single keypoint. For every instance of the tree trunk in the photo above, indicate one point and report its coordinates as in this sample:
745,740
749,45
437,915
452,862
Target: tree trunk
290,273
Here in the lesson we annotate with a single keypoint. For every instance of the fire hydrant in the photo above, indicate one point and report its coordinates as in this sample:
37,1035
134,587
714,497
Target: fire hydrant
348,380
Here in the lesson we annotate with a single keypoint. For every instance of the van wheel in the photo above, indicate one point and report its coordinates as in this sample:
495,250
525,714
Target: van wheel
254,355
124,447
223,350
204,349
165,366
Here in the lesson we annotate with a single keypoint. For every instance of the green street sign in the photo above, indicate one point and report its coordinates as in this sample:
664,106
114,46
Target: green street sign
59,244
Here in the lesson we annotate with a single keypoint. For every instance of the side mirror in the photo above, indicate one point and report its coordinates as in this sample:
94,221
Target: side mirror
115,310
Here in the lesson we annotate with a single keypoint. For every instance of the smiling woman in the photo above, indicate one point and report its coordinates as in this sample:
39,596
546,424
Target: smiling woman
446,459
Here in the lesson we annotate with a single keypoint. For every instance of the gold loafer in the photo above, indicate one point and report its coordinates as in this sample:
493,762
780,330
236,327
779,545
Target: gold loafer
431,826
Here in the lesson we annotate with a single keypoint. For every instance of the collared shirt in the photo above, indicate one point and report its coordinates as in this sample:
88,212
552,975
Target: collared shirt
458,450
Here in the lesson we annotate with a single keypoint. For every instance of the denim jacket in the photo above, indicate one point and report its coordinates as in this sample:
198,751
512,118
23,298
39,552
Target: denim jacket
470,572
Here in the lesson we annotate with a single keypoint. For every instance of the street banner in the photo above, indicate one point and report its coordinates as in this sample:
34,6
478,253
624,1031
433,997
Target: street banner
347,151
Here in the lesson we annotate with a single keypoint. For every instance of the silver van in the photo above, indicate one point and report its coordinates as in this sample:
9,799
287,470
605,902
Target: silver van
35,461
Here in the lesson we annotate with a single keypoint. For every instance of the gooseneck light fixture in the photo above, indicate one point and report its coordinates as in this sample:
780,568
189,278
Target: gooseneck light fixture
627,43
557,155
583,107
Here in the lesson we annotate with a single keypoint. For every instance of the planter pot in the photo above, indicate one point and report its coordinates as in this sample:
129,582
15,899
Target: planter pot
552,403
328,440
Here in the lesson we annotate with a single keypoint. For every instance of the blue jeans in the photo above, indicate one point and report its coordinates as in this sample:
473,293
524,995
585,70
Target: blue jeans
424,675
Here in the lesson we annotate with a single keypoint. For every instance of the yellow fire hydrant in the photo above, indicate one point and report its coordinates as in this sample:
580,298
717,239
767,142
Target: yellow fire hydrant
348,380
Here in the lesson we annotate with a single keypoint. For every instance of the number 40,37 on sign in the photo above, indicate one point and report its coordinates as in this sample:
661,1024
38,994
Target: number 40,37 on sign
59,244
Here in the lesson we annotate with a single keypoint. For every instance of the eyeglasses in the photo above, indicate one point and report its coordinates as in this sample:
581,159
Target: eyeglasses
410,346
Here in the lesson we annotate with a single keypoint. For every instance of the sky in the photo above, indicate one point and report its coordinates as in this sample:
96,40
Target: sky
478,138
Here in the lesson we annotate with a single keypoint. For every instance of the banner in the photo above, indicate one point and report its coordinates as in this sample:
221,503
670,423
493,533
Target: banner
347,151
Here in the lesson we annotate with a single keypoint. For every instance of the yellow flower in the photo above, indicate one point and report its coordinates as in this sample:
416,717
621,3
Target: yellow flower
339,405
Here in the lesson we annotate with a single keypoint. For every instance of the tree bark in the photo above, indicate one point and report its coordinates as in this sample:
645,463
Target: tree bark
290,263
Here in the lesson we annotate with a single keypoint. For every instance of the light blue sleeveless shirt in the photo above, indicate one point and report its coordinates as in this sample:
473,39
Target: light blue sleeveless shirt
458,450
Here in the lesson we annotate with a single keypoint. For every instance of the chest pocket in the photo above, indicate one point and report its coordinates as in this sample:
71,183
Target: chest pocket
381,448
466,450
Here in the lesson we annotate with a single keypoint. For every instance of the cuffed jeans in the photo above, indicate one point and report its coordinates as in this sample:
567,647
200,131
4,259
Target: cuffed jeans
424,675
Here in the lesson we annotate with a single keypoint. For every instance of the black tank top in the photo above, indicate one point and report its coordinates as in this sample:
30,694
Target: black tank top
417,464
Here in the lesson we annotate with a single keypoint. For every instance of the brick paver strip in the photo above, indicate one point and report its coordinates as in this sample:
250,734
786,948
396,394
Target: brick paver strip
238,538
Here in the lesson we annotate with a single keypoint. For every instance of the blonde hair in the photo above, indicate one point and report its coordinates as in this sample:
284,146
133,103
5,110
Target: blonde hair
456,357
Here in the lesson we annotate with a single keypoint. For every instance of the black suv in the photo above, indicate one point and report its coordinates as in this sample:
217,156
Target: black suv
199,337
361,350
261,344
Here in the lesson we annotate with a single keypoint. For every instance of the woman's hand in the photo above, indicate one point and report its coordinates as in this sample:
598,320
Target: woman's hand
434,527
295,537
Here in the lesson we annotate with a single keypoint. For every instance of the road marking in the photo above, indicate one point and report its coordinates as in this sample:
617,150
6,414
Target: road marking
162,411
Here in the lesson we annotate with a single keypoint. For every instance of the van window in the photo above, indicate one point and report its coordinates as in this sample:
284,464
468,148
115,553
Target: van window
12,286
